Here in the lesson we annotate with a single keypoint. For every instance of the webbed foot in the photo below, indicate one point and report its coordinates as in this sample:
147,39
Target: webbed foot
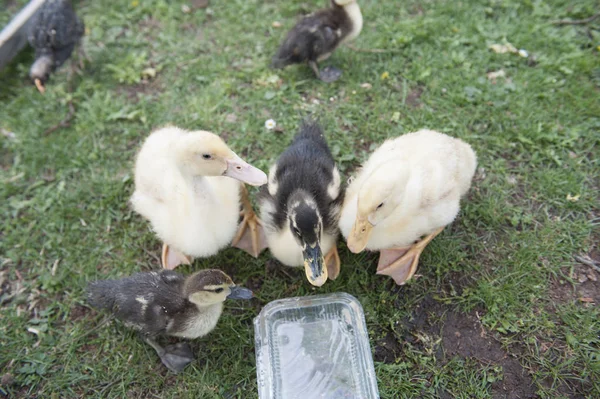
401,263
177,356
332,261
250,236
171,258
330,74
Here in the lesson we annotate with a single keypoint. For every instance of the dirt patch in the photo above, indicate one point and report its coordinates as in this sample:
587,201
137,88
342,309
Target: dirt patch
561,291
413,95
10,5
150,24
454,283
585,289
79,312
463,335
254,283
588,273
416,10
133,93
7,379
88,348
413,99
5,286
289,274
424,317
199,3
388,349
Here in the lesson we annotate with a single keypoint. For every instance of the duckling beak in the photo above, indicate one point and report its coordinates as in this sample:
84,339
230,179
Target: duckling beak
239,293
359,236
39,85
314,263
244,172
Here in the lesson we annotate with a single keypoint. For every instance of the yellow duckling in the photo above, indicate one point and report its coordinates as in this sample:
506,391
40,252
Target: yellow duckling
410,187
185,185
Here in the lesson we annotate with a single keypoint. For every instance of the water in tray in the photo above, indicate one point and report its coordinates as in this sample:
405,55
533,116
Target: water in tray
314,347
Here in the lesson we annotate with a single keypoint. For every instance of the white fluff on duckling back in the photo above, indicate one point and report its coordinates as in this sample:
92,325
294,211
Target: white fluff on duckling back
431,172
198,215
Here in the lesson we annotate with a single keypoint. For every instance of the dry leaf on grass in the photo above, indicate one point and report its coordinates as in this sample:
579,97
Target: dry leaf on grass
495,75
503,48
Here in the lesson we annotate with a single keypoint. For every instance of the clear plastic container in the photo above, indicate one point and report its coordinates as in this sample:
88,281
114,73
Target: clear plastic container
314,347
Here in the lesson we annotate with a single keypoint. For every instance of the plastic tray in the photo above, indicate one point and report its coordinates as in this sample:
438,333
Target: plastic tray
314,347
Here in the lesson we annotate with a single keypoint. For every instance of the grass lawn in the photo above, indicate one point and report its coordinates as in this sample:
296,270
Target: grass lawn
502,309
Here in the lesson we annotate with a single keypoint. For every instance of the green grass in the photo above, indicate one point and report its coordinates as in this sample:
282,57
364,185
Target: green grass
508,260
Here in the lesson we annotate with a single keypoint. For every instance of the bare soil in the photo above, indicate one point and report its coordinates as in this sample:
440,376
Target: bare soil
144,88
388,349
462,335
79,312
413,99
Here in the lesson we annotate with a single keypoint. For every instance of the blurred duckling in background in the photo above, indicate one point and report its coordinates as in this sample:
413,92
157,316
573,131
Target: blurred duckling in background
187,184
317,35
300,206
167,303
55,32
410,187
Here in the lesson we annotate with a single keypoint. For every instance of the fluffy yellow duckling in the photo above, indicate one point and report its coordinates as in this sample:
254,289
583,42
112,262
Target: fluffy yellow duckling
187,184
410,187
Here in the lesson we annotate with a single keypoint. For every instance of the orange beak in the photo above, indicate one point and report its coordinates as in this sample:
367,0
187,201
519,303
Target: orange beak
359,236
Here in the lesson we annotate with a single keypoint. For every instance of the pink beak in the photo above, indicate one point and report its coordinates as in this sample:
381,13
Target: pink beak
244,172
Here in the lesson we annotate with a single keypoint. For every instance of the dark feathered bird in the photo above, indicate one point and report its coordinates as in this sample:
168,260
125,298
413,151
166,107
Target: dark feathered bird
300,206
167,303
317,35
54,34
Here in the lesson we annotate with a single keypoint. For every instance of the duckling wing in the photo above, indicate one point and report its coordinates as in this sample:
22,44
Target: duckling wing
145,302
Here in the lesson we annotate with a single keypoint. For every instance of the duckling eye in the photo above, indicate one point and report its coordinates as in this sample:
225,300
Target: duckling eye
206,156
380,205
219,290
297,232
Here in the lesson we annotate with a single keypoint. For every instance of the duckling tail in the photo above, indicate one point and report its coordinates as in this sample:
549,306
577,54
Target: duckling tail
101,294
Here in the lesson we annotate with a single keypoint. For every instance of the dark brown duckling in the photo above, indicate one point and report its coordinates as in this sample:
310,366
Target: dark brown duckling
54,34
167,303
317,35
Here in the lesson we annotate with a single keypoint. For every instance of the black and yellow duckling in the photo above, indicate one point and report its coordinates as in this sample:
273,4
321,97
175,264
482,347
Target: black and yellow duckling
300,206
167,303
54,34
317,35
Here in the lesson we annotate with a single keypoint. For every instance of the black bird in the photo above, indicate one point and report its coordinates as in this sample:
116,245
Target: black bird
300,206
167,303
317,35
55,32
